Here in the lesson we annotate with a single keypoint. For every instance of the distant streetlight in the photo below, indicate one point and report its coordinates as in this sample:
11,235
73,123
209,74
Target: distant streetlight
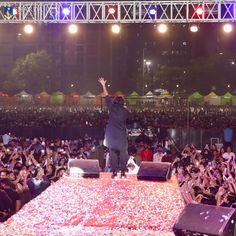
108,85
148,63
28,29
228,85
232,63
146,85
73,29
72,85
177,85
115,29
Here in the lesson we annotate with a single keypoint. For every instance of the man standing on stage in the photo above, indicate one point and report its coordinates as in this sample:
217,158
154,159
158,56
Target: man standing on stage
115,135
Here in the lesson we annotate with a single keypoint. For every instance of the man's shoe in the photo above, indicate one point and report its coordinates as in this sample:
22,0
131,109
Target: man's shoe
114,175
123,175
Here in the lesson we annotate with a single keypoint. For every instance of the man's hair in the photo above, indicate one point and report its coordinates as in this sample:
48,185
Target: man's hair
119,101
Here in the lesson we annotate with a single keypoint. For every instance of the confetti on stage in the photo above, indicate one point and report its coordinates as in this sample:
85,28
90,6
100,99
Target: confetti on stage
100,207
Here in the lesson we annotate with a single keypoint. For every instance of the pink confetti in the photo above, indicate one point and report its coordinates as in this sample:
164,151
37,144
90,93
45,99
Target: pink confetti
99,207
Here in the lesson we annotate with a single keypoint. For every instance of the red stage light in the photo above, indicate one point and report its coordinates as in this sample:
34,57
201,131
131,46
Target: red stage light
199,11
111,10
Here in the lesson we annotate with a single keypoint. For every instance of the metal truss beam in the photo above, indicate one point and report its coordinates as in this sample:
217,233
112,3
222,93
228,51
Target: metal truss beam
125,12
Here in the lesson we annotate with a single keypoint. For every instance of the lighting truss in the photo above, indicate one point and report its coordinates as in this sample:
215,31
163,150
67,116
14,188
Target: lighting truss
126,12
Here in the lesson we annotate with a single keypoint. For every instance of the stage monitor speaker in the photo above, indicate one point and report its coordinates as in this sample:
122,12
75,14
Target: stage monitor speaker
84,168
200,219
154,171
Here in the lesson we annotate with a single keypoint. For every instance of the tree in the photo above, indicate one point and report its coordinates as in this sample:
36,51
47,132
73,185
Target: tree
202,74
31,72
169,76
215,71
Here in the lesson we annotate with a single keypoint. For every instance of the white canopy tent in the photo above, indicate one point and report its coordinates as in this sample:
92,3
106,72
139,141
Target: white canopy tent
149,97
24,97
88,99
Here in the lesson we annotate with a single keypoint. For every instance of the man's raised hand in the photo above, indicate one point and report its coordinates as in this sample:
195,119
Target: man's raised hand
102,81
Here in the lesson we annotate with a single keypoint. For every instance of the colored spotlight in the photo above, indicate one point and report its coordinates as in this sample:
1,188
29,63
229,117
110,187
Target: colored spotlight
227,28
152,11
162,28
115,29
66,11
199,11
73,29
28,29
193,28
111,10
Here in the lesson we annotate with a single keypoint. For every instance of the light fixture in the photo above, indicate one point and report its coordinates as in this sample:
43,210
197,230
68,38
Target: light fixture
66,11
227,28
28,29
115,29
162,28
73,29
199,11
152,11
111,10
194,28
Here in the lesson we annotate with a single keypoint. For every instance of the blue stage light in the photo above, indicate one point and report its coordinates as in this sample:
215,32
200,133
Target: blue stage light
152,11
66,11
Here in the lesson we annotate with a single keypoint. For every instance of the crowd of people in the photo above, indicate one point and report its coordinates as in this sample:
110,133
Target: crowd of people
76,116
207,176
29,166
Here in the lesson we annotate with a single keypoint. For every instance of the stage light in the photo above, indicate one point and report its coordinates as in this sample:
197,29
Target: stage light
193,28
28,29
115,29
199,11
111,10
152,11
73,29
162,28
227,28
66,11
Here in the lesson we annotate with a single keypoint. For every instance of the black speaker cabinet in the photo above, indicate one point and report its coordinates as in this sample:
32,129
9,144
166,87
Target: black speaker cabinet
206,220
154,171
84,168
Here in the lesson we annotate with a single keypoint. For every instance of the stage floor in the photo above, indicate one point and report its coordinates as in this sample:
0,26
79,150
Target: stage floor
99,207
